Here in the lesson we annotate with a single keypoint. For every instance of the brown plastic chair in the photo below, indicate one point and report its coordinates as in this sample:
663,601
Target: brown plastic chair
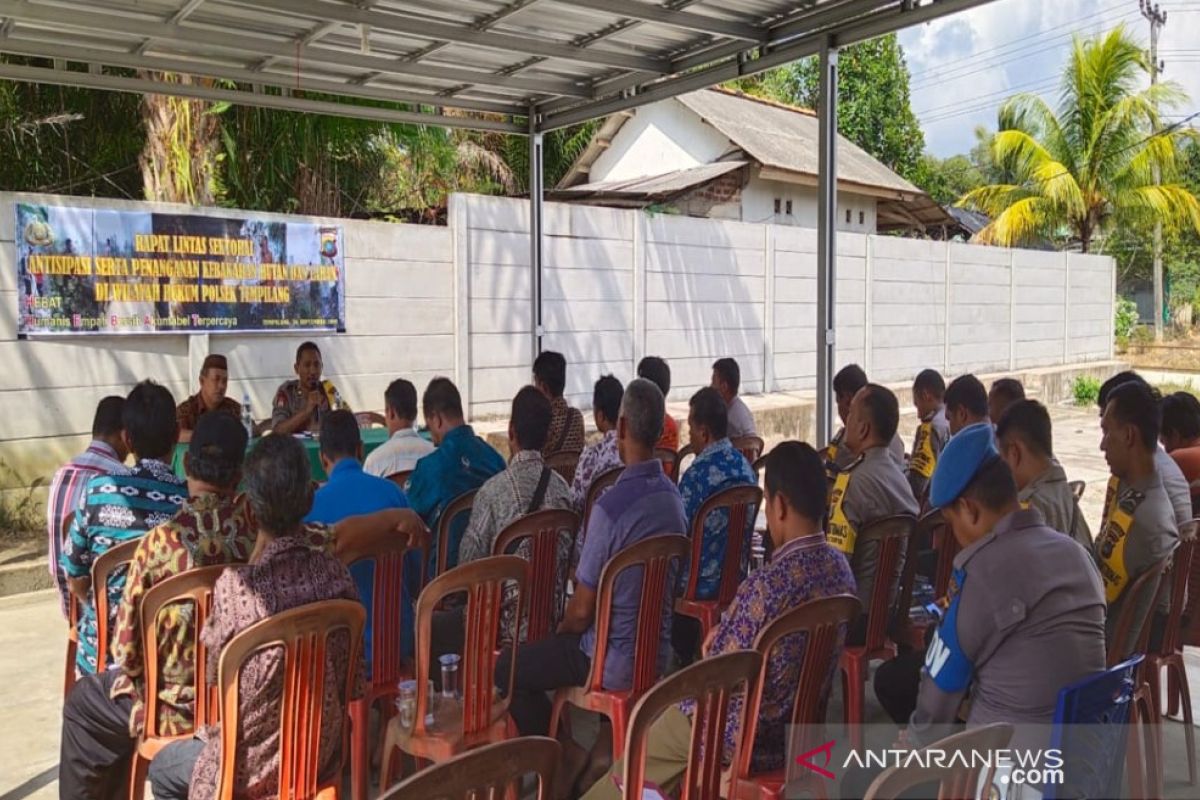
654,556
669,459
684,452
454,509
749,446
1077,489
191,588
758,465
1169,655
600,484
823,623
388,665
303,633
1143,753
564,463
104,567
483,716
401,478
893,534
485,772
902,631
537,536
956,782
741,503
947,546
1137,609
712,683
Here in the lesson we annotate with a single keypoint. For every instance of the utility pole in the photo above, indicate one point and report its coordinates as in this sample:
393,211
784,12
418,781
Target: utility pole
1157,19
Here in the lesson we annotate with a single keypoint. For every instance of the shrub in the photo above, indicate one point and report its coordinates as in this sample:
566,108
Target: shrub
1125,322
1086,390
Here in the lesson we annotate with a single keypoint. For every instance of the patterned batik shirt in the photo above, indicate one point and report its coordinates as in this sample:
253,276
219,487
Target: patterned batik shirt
504,498
209,530
66,493
189,412
596,459
801,570
566,429
116,508
718,467
291,571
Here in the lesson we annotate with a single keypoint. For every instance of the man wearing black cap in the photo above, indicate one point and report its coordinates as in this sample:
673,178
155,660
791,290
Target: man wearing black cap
1019,590
214,382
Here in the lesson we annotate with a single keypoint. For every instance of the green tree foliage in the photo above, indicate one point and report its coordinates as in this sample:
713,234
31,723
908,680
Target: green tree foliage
948,179
1088,167
874,108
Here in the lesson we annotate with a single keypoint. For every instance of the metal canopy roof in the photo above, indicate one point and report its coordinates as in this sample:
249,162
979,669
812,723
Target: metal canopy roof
463,63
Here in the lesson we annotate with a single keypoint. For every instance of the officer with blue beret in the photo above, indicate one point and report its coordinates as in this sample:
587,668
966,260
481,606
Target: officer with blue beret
1020,591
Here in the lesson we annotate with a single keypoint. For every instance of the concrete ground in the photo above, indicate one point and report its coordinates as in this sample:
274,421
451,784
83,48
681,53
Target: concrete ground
32,647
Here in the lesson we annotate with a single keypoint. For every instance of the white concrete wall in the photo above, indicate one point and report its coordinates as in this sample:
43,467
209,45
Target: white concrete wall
758,205
399,322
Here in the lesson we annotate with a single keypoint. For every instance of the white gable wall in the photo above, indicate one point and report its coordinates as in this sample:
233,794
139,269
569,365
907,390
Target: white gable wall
661,137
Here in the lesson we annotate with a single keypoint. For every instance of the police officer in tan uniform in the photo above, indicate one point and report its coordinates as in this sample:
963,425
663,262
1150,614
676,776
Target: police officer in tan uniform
1020,591
870,488
1138,529
1024,436
847,383
928,391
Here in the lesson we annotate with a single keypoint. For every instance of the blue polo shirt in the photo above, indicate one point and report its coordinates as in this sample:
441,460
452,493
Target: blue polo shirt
349,493
460,463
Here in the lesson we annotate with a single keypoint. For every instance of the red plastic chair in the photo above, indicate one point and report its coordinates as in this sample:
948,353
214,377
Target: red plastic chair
749,446
893,534
957,772
711,683
600,484
564,463
486,772
482,718
1169,656
454,509
823,623
741,504
192,588
388,665
543,531
947,546
104,567
654,556
684,452
669,459
1137,609
72,644
303,633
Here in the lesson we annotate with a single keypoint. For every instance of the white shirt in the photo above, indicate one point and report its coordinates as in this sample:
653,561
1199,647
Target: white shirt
400,453
740,420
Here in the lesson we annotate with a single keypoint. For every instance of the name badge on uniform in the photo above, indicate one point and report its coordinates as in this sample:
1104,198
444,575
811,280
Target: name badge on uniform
945,661
841,533
923,458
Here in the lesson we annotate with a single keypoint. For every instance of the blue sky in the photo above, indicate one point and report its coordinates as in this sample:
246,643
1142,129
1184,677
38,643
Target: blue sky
964,66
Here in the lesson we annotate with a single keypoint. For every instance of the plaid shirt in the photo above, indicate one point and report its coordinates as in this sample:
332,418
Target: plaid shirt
66,494
116,508
210,529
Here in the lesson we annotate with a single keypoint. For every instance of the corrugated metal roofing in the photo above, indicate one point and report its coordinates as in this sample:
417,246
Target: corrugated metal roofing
466,63
654,185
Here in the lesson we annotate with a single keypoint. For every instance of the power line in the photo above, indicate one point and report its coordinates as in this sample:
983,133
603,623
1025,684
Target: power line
991,97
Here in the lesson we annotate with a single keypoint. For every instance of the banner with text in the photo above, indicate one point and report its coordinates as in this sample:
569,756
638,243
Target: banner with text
85,270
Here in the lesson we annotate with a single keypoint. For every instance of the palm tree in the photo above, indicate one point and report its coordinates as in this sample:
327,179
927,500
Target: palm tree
1093,164
181,154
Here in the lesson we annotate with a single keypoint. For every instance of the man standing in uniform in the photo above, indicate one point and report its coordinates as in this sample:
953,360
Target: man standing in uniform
1138,529
847,383
869,489
1020,590
966,403
932,434
1025,440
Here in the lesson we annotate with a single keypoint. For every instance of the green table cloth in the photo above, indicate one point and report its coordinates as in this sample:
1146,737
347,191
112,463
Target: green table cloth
372,438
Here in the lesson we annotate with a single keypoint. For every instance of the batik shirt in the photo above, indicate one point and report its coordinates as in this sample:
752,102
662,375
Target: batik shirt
290,572
189,412
66,492
566,429
116,508
718,467
209,530
596,459
804,569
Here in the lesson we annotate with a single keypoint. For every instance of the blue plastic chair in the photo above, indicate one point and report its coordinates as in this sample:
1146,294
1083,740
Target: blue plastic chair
1091,730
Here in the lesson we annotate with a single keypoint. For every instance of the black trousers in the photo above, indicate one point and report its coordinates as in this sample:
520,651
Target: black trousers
170,772
897,683
552,663
96,744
